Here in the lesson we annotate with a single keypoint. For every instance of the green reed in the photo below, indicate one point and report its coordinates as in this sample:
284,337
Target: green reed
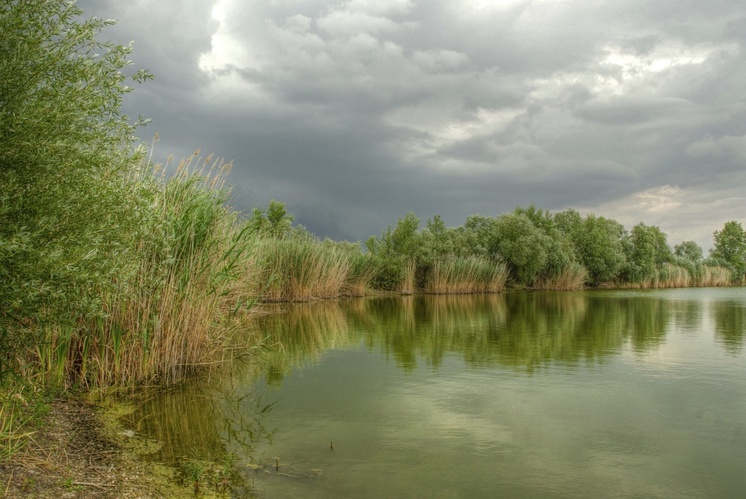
191,276
301,269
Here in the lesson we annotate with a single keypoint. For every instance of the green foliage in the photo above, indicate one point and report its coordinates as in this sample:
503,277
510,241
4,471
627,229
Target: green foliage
389,272
393,251
60,89
544,251
598,244
522,245
559,249
477,234
444,241
569,223
276,222
404,239
688,250
729,248
647,252
65,150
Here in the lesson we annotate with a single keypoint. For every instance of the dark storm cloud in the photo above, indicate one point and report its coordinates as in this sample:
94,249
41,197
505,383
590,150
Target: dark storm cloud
355,112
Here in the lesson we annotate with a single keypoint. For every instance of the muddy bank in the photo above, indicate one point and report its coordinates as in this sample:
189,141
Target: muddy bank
83,452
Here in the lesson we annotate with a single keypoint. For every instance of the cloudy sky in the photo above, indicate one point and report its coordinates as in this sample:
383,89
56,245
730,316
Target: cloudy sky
355,112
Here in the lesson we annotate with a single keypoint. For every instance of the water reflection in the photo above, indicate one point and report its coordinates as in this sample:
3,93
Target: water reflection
300,333
205,418
730,324
451,413
523,331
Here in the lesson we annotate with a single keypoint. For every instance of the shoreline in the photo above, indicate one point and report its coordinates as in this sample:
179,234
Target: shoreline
82,451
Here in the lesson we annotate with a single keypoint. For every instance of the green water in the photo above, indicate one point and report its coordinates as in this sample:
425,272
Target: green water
588,394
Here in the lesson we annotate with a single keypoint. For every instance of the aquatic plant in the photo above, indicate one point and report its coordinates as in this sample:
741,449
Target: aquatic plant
191,276
572,277
473,274
301,269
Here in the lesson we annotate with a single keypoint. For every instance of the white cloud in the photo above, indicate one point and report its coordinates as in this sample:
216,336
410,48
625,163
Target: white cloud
344,24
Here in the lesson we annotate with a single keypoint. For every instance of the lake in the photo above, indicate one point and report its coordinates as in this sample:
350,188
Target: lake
562,394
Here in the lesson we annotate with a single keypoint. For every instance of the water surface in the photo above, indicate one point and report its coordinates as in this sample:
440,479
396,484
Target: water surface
587,394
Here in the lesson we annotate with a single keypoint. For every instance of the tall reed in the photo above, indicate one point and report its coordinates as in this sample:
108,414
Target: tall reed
678,276
363,271
672,276
192,277
301,269
714,276
407,284
472,274
572,277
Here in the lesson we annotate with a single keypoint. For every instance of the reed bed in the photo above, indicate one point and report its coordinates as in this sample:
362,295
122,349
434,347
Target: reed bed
715,276
672,276
176,309
363,271
407,283
571,278
677,276
461,275
301,269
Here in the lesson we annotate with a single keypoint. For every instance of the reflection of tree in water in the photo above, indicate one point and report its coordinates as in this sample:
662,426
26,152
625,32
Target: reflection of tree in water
646,322
299,334
730,323
686,314
540,328
521,330
214,417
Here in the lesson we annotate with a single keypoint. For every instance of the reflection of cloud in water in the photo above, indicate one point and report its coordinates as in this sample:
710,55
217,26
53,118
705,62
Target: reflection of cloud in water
456,411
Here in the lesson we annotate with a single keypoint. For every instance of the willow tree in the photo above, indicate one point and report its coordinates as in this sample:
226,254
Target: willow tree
729,248
65,151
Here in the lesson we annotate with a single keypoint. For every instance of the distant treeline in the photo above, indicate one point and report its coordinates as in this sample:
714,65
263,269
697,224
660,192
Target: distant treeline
561,251
527,248
111,272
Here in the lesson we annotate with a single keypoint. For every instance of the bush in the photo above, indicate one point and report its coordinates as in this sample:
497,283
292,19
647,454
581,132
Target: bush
65,151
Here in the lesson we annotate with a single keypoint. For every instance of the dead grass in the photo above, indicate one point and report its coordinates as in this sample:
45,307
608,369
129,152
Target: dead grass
71,456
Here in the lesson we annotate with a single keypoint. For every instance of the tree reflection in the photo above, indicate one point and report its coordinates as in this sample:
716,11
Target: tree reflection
521,330
215,416
299,334
730,323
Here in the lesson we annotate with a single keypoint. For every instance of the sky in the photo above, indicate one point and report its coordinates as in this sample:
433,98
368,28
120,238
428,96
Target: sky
354,113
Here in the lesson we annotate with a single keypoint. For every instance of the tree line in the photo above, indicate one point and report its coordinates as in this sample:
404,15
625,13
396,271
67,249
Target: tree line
561,250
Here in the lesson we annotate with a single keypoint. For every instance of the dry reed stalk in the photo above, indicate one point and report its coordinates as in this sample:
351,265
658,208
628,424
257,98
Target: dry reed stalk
451,275
302,270
571,278
406,286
